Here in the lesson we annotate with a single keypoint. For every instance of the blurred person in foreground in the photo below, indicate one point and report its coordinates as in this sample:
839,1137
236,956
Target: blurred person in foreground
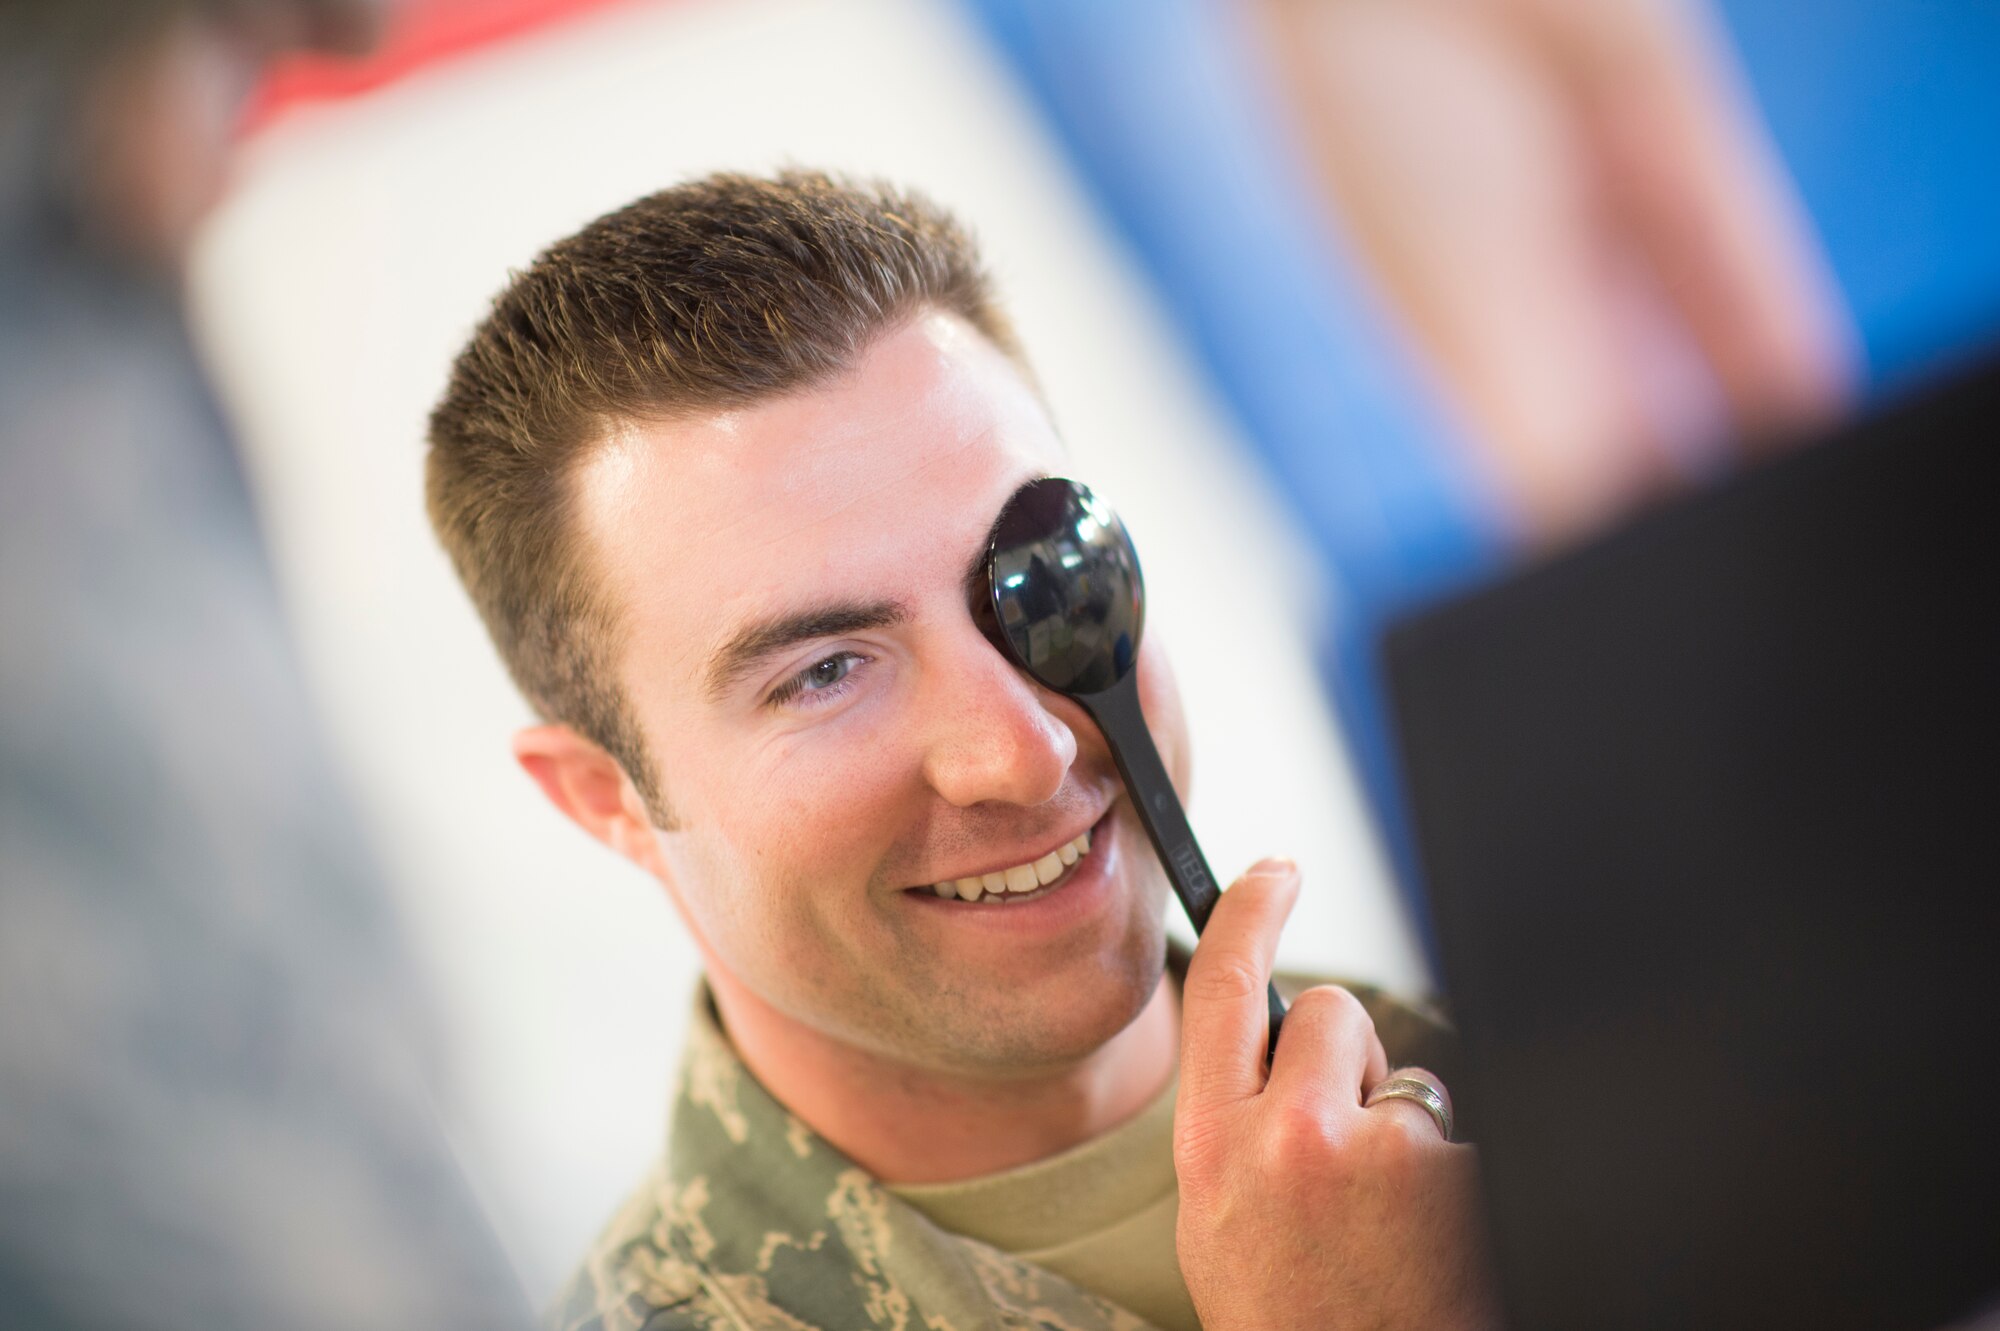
714,471
214,1110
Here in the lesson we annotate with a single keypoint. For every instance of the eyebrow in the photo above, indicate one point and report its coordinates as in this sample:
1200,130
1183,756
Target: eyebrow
756,643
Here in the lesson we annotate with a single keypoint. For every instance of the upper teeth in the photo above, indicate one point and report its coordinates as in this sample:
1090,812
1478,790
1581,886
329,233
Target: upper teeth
1020,878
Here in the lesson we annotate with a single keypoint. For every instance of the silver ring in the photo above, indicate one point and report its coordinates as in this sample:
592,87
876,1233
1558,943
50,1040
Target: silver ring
1420,1086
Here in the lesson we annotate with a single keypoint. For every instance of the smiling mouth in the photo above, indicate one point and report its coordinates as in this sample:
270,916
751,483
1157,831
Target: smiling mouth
1023,882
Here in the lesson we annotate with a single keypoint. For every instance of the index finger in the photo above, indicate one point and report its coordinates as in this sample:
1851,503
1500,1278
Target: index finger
1225,1016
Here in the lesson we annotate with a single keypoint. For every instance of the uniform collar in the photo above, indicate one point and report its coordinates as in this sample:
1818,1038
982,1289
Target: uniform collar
782,1220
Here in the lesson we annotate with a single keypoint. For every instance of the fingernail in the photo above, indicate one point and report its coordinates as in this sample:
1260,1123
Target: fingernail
1274,867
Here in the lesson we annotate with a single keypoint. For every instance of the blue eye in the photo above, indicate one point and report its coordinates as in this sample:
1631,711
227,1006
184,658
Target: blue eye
817,682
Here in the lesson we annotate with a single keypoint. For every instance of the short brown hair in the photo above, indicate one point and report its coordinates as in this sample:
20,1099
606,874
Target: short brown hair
713,294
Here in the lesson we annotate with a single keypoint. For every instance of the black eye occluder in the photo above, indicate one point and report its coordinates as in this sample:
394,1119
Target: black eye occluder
1064,600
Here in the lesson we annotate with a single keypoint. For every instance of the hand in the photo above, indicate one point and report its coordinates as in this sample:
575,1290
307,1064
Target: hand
1299,1208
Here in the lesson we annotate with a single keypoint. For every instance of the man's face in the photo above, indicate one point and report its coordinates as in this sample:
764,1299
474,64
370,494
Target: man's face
834,735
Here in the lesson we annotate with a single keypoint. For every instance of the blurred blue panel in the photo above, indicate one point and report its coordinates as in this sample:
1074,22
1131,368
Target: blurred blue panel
1888,113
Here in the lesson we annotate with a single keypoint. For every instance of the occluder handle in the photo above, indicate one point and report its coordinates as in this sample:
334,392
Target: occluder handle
1117,713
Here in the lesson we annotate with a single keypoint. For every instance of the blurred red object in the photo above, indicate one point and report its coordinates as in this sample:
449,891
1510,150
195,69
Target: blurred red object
418,33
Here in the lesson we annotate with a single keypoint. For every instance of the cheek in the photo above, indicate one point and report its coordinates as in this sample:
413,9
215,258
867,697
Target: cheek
797,833
822,795
1160,696
756,898
779,839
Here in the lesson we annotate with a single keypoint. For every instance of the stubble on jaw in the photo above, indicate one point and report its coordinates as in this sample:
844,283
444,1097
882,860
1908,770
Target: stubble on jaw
919,1013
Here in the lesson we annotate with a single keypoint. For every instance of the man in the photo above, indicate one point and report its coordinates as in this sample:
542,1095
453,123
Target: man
715,470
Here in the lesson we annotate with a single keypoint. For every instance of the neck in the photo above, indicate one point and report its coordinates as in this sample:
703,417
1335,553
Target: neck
866,1105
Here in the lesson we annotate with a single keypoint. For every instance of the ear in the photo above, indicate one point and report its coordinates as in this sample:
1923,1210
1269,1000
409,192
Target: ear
587,783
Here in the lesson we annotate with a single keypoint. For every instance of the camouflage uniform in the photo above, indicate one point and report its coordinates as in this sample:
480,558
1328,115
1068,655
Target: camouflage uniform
753,1222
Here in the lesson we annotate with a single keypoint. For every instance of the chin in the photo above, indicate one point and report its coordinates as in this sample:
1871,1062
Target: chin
1065,1024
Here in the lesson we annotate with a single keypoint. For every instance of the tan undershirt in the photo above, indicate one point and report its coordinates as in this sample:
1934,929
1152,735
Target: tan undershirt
1101,1215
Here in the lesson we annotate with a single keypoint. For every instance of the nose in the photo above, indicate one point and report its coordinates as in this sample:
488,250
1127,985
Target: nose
993,735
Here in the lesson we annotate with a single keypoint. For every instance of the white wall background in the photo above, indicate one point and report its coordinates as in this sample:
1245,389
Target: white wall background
361,244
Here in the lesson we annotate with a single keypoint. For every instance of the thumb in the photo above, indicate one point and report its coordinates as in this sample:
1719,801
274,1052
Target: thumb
1225,1019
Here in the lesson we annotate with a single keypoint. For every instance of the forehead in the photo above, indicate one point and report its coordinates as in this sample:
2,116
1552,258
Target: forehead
873,486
